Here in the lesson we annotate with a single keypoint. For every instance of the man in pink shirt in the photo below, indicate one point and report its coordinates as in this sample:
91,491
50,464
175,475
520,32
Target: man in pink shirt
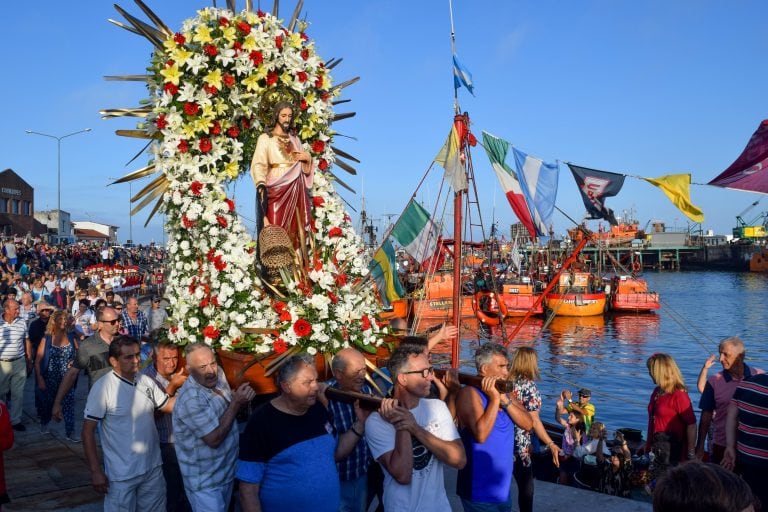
718,393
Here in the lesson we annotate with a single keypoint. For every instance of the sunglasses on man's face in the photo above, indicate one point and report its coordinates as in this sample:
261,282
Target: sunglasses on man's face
111,322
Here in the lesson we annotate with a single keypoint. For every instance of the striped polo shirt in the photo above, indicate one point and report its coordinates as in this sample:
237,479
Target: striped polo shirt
751,397
12,336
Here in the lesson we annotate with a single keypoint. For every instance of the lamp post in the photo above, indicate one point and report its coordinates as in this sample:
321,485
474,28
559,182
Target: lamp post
58,169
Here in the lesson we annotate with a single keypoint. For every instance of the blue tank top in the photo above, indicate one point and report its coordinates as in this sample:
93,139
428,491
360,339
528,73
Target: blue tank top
487,477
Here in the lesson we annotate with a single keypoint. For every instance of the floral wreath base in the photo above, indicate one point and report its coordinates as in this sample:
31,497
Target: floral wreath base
208,84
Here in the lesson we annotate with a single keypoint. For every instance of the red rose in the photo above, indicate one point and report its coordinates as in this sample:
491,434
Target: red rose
205,145
224,22
318,146
211,254
246,123
179,38
193,286
303,105
317,201
174,329
216,128
260,13
256,57
222,221
171,88
271,78
285,316
325,96
210,50
237,46
210,89
304,37
233,132
335,231
219,264
215,301
228,80
191,109
203,303
323,164
319,82
341,279
196,187
365,323
279,346
161,122
244,27
279,306
302,328
279,42
305,54
333,297
183,146
211,332
230,204
187,223
302,76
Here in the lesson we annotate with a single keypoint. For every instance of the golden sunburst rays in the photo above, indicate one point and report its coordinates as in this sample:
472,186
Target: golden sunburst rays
156,32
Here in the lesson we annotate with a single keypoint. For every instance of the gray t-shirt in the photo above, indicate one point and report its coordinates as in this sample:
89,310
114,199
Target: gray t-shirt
93,357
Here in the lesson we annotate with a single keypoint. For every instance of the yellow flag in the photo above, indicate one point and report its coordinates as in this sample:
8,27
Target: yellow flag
449,158
677,188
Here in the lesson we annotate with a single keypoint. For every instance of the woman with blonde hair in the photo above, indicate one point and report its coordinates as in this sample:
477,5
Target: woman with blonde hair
55,355
524,370
670,410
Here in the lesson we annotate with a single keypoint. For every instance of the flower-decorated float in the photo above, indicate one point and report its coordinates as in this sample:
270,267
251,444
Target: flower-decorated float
212,85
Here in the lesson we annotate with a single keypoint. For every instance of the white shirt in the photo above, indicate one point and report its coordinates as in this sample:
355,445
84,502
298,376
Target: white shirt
126,410
426,492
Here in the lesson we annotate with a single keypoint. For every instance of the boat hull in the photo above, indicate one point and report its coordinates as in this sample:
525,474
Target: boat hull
635,302
576,304
759,261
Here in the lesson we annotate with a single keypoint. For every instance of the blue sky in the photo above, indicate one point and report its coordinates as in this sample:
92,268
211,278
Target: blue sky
643,88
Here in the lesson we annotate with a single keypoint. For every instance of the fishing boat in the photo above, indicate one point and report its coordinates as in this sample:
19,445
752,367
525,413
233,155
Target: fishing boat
759,261
576,293
520,296
630,294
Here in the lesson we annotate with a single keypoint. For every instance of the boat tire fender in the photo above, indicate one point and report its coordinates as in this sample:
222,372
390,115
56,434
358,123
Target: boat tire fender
492,318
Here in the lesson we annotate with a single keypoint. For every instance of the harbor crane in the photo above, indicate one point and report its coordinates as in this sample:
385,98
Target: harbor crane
752,229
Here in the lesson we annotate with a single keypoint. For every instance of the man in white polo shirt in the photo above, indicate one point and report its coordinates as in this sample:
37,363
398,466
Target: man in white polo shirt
15,359
124,403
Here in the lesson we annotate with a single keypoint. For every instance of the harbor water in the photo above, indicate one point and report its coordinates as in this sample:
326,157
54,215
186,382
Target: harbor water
607,354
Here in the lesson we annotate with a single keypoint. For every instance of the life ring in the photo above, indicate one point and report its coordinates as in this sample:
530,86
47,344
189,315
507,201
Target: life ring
489,317
636,266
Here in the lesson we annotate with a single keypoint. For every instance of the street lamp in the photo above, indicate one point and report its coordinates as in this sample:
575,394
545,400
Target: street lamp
58,171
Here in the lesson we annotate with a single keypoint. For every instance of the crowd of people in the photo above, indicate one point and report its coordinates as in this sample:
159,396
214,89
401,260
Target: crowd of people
170,439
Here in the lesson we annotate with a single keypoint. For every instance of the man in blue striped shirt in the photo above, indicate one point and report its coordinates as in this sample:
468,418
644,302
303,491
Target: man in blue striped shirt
15,359
348,366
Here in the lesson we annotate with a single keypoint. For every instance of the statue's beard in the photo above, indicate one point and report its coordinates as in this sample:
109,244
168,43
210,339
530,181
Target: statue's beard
286,127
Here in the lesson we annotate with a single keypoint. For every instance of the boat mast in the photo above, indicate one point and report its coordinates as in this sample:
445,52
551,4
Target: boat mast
457,207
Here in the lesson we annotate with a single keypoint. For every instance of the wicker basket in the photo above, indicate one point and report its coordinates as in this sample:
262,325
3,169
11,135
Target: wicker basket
275,247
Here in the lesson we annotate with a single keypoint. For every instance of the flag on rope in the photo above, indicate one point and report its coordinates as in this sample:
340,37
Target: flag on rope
462,76
514,255
449,158
677,188
383,269
416,232
539,182
750,170
595,186
530,190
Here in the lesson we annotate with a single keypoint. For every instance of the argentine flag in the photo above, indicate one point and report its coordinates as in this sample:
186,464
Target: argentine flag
461,76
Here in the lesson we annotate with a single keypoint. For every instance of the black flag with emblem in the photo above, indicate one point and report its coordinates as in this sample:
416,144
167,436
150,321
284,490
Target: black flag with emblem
595,186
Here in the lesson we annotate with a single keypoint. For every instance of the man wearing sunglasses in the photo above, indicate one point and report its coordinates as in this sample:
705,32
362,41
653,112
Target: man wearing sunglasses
413,437
92,356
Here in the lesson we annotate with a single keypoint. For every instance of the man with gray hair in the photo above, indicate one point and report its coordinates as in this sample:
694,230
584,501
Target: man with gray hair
289,447
204,428
413,437
487,420
717,394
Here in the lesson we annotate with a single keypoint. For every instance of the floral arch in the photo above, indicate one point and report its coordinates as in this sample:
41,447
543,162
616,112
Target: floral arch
209,85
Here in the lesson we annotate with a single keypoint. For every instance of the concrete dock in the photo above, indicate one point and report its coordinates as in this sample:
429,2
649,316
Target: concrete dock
47,472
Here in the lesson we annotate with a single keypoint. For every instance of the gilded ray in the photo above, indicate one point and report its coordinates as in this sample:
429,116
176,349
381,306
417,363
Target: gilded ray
345,166
155,19
126,27
342,116
339,102
249,5
139,134
161,180
150,197
295,16
347,83
127,78
335,63
137,155
136,175
344,154
343,184
231,5
125,112
276,8
153,212
153,35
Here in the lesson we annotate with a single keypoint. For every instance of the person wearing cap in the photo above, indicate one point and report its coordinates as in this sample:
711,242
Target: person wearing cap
156,314
583,406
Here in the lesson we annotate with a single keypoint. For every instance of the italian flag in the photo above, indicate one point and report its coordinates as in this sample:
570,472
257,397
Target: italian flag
416,232
497,153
